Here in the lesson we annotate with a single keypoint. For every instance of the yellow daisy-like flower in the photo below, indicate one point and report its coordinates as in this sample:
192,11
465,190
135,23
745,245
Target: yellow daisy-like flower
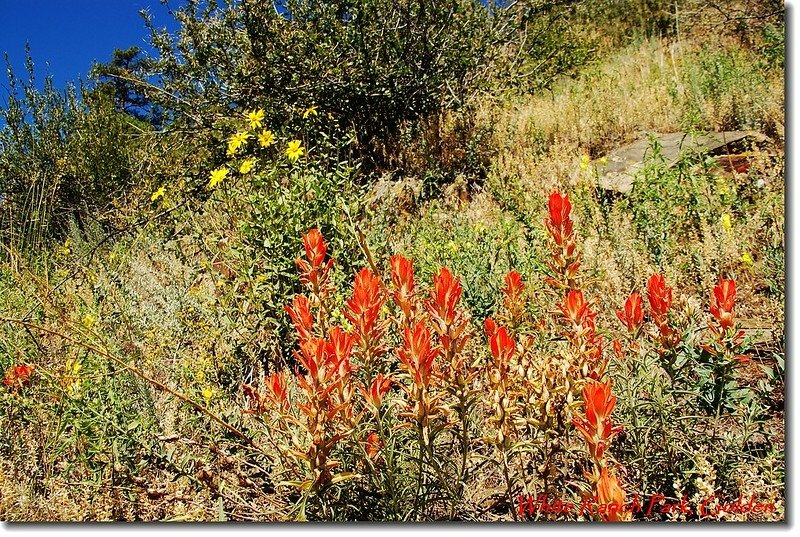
255,118
217,176
207,393
72,379
726,222
266,138
747,259
158,193
236,141
295,150
310,111
247,165
89,320
585,161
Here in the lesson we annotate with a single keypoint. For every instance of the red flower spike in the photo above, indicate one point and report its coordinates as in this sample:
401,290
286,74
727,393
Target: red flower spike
659,296
365,304
445,295
315,247
416,355
255,404
612,497
722,303
513,292
618,351
300,313
339,347
377,390
313,270
576,309
490,326
17,376
502,347
597,428
313,357
276,390
559,223
374,445
632,315
403,281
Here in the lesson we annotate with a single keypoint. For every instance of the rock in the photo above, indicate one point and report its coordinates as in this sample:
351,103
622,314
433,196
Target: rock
616,170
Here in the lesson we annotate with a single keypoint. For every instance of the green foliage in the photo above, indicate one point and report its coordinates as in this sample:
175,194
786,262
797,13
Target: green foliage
627,20
121,78
480,249
376,66
62,158
672,202
727,87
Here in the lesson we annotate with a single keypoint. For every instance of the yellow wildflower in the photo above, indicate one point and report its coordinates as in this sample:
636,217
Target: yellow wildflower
207,393
266,138
747,259
158,193
726,222
217,176
72,379
255,118
310,111
89,320
65,249
247,165
236,141
585,161
295,150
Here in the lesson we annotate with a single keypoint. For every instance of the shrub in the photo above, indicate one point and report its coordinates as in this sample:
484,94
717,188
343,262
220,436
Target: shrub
64,156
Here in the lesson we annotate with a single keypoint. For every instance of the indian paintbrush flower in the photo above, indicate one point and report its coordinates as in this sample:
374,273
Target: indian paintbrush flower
596,426
632,316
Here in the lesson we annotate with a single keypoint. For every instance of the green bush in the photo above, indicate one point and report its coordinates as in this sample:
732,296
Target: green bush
377,67
64,156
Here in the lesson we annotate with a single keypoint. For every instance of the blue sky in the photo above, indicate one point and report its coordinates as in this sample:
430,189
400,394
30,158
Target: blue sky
66,36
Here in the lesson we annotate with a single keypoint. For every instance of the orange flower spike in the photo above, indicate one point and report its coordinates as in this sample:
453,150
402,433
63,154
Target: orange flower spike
312,357
632,315
365,304
18,376
374,445
576,309
722,303
559,223
659,295
277,390
417,355
611,496
377,390
315,247
403,281
300,313
445,295
502,347
312,269
513,292
597,428
339,347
